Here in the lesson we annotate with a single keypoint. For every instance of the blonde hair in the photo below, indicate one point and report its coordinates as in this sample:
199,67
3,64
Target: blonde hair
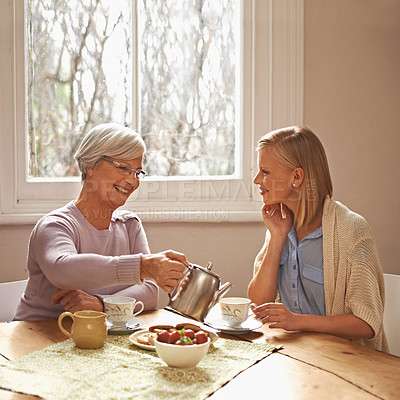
109,139
295,147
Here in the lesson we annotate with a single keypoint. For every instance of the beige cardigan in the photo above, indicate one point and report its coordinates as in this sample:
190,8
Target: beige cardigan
353,279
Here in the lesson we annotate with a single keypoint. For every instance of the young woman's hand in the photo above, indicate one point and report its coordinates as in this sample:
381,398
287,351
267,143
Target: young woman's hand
277,316
277,218
346,325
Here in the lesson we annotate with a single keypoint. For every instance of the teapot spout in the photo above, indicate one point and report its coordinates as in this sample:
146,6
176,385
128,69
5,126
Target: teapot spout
222,291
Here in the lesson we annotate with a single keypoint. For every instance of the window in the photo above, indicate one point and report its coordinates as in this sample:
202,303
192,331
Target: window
79,72
202,166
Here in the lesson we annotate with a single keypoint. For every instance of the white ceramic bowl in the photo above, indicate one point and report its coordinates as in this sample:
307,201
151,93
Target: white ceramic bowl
182,356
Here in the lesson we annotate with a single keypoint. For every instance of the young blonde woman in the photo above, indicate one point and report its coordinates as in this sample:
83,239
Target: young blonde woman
318,269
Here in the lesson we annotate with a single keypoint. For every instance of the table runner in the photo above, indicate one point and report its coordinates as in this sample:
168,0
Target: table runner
120,370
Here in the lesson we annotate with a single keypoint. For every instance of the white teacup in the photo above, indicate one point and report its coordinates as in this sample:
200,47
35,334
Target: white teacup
235,310
120,309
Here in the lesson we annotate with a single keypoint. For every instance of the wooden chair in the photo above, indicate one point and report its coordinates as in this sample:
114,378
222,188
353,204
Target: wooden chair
10,294
391,316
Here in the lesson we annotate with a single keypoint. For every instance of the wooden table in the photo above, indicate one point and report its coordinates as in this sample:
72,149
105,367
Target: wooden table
310,365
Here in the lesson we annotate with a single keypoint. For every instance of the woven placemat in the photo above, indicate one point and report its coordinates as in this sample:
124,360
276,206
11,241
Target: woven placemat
120,370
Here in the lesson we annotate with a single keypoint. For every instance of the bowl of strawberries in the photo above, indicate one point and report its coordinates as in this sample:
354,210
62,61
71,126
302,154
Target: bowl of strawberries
182,348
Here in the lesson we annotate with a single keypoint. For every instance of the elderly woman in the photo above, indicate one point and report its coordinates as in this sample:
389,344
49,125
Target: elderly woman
318,269
88,250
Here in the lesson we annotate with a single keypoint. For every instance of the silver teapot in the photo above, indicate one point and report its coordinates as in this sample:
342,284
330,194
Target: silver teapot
198,291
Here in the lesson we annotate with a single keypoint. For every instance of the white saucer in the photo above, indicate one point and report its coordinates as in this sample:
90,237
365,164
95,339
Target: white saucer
218,323
132,325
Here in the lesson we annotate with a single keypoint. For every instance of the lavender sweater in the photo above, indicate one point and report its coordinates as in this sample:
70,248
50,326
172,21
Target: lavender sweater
67,252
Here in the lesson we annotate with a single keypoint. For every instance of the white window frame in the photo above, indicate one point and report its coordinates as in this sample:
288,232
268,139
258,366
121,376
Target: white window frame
272,59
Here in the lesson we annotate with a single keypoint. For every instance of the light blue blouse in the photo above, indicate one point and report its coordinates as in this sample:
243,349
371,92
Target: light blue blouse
301,274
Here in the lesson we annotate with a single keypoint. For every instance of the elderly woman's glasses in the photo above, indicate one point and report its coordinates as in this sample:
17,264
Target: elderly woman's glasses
125,170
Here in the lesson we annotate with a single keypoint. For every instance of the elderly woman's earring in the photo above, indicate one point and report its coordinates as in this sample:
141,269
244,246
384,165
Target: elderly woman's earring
293,185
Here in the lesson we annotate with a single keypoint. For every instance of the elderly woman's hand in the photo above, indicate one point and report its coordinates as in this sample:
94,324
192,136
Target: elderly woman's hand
76,300
166,268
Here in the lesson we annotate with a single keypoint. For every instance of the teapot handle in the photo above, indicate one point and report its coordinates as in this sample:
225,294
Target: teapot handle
174,291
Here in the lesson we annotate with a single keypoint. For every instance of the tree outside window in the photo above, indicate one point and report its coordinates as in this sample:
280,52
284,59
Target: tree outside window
81,60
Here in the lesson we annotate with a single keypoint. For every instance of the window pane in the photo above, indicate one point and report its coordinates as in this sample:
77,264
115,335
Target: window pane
188,54
78,75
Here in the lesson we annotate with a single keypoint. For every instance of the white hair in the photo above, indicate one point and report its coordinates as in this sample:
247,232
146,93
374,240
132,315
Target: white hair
110,140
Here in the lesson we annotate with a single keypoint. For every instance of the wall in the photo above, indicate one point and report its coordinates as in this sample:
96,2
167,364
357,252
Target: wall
352,101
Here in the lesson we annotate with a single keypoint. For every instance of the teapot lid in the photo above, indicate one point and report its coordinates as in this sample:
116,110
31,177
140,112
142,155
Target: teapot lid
207,269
